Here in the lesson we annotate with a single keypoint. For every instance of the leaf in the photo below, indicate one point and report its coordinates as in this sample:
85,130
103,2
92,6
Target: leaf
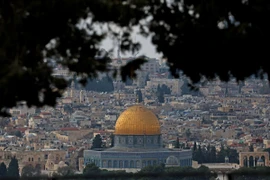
129,70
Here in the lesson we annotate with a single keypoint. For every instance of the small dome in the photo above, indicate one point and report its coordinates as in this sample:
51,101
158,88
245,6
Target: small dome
172,160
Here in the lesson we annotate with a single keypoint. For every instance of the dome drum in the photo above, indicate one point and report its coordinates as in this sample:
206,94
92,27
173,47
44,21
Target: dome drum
138,141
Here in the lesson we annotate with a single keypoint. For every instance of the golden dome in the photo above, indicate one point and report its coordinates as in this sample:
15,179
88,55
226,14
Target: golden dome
137,120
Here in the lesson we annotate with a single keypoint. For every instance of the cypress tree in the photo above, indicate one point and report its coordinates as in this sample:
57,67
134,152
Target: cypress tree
3,170
251,148
195,146
177,143
213,154
13,169
97,142
201,158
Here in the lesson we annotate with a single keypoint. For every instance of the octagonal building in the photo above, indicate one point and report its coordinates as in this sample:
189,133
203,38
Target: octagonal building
137,143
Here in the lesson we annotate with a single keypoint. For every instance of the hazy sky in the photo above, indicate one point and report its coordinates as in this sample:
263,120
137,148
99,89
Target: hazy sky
147,48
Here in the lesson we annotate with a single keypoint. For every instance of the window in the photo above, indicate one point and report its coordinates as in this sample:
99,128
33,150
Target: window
123,140
130,140
140,140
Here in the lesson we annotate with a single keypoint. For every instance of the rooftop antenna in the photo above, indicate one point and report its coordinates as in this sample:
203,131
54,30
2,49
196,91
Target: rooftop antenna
137,99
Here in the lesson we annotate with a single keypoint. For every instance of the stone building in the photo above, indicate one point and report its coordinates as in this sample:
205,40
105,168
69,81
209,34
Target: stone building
138,143
35,158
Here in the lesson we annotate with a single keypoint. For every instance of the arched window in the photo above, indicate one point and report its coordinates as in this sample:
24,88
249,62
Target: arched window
126,164
131,164
104,163
114,164
109,163
143,163
121,164
138,164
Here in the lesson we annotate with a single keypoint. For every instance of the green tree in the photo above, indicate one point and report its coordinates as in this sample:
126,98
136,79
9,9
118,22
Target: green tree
3,170
246,173
213,155
205,173
147,171
153,169
29,171
177,143
221,154
233,155
65,171
13,169
91,169
18,134
200,155
207,154
195,146
97,142
267,150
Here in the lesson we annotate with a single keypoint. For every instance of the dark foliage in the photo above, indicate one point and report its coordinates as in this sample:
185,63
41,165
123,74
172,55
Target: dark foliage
100,85
29,171
177,143
209,155
252,173
37,34
13,169
97,142
3,170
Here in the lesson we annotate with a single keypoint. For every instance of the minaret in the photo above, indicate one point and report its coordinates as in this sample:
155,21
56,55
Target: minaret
137,99
81,96
72,88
